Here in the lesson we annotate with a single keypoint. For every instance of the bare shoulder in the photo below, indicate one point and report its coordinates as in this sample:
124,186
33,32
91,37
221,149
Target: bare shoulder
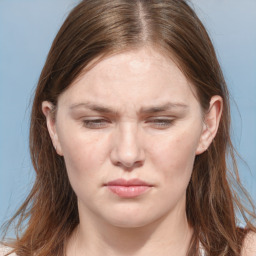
249,245
4,250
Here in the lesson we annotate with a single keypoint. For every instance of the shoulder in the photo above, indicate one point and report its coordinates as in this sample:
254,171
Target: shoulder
249,245
4,250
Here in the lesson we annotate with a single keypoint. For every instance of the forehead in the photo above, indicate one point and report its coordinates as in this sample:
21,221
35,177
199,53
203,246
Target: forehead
130,77
138,63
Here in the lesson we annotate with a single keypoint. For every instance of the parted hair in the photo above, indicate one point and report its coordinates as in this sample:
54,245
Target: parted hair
92,30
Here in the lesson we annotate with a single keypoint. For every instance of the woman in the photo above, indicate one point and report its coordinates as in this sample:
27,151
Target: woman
130,138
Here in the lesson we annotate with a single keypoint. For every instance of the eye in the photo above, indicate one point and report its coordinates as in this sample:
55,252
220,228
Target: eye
95,123
161,122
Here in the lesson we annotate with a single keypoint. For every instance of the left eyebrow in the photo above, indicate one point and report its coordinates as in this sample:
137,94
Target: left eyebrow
164,107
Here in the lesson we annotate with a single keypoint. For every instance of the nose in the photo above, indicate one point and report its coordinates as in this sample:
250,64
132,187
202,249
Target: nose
127,150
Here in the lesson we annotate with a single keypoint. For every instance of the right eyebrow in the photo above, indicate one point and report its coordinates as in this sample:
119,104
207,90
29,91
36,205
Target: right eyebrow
94,107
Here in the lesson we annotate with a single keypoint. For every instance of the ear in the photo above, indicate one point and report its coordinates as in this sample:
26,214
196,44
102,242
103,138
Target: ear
211,124
48,110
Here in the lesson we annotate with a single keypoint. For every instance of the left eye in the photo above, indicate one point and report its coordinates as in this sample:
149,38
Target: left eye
95,123
161,123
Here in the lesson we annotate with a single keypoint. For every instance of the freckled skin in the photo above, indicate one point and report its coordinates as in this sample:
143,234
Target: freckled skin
129,146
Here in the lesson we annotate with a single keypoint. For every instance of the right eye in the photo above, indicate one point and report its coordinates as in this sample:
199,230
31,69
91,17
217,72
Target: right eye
95,123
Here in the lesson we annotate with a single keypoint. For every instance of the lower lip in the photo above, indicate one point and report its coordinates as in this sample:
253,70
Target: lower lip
128,191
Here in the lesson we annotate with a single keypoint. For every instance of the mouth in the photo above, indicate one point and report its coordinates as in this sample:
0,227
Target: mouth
128,188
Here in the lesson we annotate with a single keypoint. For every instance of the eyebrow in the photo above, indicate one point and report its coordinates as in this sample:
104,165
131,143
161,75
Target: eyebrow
164,107
146,110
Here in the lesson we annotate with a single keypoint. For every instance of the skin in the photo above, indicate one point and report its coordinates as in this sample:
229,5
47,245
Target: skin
156,147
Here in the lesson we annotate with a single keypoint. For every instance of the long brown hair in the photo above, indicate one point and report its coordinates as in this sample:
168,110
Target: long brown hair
92,30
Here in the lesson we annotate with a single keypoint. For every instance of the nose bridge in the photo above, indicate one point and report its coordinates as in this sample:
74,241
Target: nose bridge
128,136
127,148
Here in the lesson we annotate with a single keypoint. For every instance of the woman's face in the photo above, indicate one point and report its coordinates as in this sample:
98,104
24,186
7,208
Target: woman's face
129,130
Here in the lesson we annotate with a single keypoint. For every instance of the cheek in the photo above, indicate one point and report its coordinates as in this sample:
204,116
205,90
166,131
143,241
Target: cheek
84,156
173,158
175,155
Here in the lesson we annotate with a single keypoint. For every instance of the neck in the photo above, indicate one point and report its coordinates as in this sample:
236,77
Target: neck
170,235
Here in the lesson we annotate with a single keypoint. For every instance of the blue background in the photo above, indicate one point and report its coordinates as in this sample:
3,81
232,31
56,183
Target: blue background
27,28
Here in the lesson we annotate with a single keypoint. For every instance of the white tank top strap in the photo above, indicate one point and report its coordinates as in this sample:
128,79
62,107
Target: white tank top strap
4,250
201,250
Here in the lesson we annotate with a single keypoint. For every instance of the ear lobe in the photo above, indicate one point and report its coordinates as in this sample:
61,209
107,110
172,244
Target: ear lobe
47,108
211,124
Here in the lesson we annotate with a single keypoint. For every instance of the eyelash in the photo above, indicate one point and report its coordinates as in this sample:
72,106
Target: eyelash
102,123
95,123
162,123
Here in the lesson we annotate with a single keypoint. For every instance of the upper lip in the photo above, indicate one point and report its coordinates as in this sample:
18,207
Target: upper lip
127,183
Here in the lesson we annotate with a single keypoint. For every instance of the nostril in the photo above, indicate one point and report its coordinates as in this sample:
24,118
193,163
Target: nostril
130,166
127,151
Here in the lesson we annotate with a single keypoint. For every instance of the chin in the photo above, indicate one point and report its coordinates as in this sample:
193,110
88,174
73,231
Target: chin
130,224
132,220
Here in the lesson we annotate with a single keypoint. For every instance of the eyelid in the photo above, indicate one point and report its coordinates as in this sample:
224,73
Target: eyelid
161,122
95,123
161,118
101,122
